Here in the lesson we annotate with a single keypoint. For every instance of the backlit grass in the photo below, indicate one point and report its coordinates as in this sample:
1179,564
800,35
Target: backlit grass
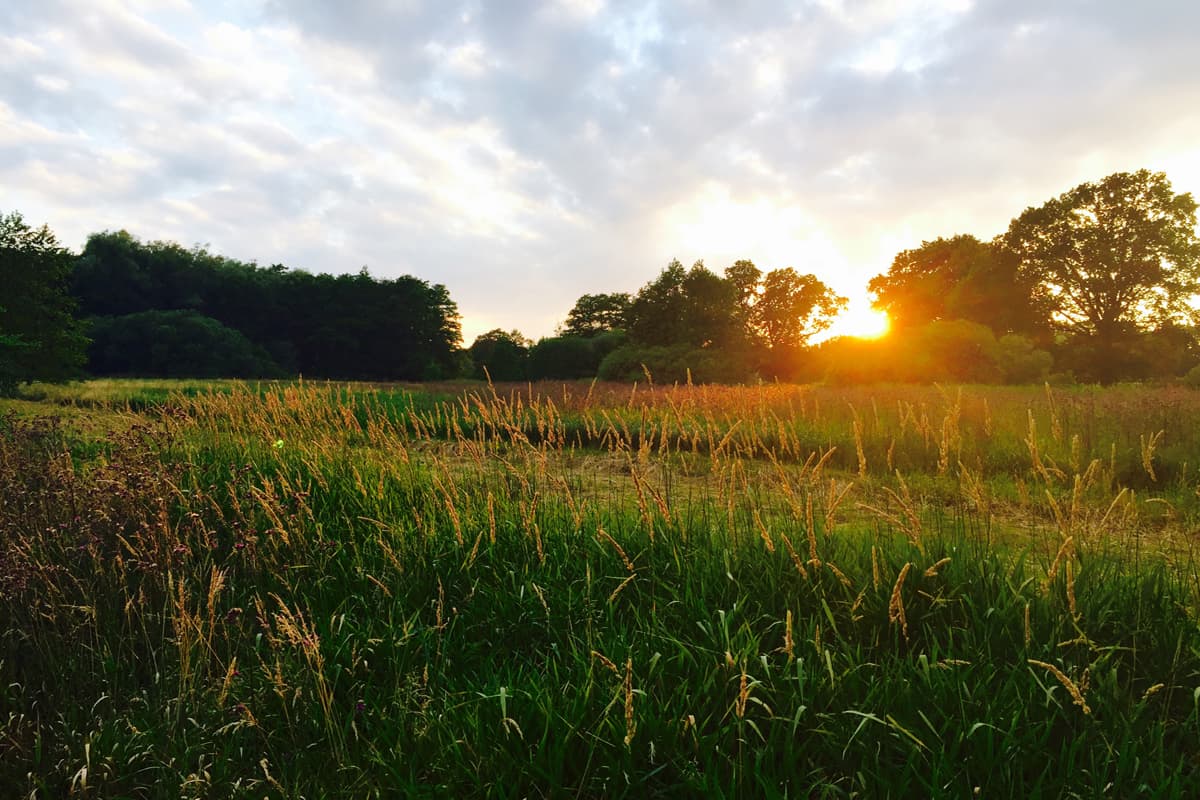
321,591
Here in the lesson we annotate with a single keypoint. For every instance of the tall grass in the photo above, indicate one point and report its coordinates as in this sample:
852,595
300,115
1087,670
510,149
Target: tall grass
306,591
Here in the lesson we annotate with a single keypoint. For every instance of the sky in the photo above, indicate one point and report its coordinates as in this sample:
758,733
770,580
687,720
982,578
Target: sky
525,153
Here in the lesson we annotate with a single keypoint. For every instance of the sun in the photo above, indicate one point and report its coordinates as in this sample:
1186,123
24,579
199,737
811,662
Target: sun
859,320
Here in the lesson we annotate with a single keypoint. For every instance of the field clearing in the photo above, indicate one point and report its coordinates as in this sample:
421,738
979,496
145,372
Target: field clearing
310,590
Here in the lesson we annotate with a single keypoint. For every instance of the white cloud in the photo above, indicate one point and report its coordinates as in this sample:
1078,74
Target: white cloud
525,153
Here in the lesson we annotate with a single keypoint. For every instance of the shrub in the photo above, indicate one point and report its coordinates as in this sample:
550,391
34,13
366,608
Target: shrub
1020,361
175,344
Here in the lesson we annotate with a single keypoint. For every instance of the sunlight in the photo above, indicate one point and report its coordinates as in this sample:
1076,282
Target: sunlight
771,231
859,320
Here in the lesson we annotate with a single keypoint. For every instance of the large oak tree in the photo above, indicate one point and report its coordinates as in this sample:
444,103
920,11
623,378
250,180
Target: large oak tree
1112,257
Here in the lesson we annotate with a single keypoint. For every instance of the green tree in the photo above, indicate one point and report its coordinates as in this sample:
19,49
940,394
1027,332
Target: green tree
1110,259
791,308
656,313
594,314
40,339
695,307
175,344
345,326
788,310
500,355
710,317
958,278
745,278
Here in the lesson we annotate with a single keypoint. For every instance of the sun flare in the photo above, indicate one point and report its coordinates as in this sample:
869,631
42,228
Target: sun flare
861,321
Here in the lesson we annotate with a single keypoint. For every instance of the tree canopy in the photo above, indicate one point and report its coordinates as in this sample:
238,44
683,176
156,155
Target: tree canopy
695,323
500,355
325,326
1120,250
958,278
791,308
40,339
594,314
1111,259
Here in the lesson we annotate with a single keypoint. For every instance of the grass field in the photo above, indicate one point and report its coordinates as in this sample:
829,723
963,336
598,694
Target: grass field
309,590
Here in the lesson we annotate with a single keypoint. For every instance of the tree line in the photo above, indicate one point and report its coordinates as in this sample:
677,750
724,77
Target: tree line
1098,284
126,307
686,324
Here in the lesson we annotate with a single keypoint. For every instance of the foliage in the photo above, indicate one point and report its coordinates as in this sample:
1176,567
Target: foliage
571,357
790,308
1020,361
597,313
175,344
39,338
677,363
348,326
958,278
1111,257
1192,378
693,308
725,328
940,351
500,355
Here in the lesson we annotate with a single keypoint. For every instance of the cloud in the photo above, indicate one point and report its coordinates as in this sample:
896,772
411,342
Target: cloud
528,152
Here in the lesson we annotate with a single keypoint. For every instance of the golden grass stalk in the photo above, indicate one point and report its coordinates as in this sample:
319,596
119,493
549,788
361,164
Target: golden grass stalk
1153,690
605,661
630,725
1065,551
833,499
789,644
1148,446
794,555
932,570
230,671
858,446
841,576
603,535
1070,570
620,588
763,532
896,603
811,530
491,511
1056,428
1074,690
541,596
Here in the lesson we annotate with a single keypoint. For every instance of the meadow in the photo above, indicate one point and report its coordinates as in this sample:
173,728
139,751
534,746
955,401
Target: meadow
297,590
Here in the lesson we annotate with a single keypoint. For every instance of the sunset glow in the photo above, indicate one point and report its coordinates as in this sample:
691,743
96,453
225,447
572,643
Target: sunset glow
859,320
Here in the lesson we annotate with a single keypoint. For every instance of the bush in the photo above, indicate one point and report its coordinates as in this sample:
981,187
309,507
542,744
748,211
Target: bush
563,357
175,344
675,364
957,351
1020,362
